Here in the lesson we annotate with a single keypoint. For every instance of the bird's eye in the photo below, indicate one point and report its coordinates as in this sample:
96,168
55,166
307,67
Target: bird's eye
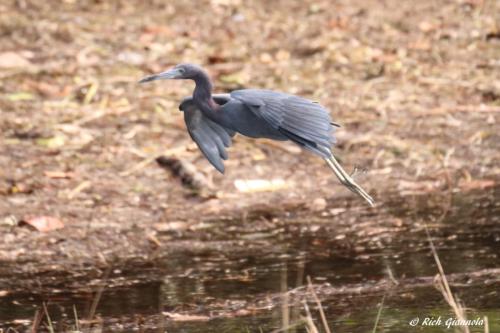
181,70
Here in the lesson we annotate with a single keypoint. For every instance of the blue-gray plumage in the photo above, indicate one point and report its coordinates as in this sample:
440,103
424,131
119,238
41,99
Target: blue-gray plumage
212,120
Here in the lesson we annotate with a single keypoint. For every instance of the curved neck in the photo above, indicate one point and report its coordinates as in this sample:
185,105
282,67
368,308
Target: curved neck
203,91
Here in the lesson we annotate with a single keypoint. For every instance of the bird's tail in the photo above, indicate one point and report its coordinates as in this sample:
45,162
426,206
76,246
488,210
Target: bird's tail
346,180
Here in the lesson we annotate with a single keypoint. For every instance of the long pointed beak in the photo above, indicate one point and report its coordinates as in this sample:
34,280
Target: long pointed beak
170,74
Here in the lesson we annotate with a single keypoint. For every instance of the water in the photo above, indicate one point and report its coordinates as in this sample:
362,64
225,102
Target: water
235,274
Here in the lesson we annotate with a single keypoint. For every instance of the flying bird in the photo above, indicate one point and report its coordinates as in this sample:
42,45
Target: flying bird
213,119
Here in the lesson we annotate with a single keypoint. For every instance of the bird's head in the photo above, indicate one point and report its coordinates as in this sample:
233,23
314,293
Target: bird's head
181,71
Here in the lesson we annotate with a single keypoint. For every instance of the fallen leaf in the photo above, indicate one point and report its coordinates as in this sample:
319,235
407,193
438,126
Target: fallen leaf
258,155
13,60
10,221
53,142
426,26
283,55
171,226
42,223
337,211
318,204
185,317
421,45
159,30
131,58
3,293
225,2
266,58
20,96
20,188
259,185
239,78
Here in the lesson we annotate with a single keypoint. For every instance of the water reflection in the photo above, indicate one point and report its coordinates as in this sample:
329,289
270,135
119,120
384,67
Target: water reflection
246,287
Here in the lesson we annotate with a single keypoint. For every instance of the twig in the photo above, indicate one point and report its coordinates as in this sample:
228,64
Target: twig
379,313
36,321
49,321
390,274
309,321
148,160
153,239
443,285
83,185
285,310
97,297
318,303
77,324
95,302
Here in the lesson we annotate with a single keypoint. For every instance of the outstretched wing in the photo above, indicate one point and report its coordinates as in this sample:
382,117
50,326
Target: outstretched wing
211,138
302,121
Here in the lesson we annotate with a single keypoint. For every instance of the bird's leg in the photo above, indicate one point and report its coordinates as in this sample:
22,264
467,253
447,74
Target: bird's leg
346,180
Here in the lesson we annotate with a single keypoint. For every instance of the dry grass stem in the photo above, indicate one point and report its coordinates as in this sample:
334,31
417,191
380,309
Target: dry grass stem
310,326
49,321
319,305
444,287
379,313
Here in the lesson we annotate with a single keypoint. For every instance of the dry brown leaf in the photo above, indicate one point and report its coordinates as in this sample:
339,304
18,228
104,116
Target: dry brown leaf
421,45
185,317
339,23
171,226
426,26
48,89
43,223
13,60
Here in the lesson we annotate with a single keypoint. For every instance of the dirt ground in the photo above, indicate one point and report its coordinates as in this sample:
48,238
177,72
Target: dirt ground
414,84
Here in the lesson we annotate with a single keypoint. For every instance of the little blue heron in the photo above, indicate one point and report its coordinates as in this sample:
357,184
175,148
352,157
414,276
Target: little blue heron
213,119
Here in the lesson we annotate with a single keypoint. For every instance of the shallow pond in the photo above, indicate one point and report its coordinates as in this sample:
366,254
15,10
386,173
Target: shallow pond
251,276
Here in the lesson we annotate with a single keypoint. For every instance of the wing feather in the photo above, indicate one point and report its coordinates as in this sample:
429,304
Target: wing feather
302,121
210,137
